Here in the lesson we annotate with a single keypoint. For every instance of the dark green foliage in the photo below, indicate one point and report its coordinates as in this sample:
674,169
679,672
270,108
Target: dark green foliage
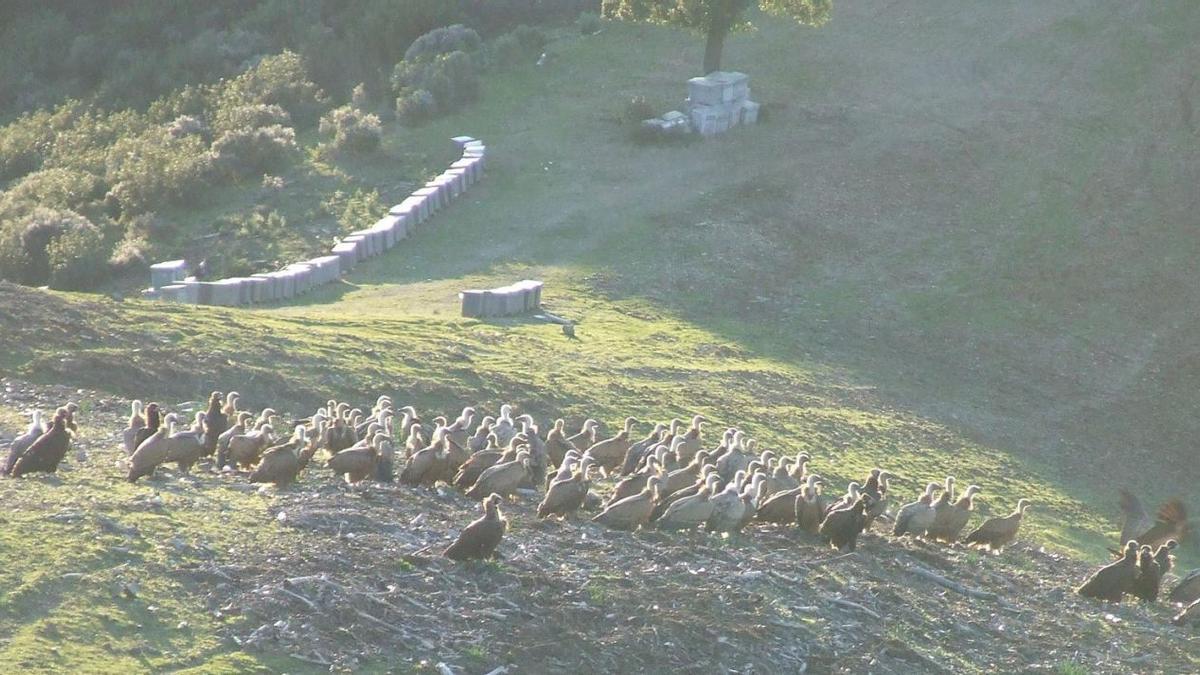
456,38
279,80
452,79
26,242
351,130
78,258
588,23
252,152
414,106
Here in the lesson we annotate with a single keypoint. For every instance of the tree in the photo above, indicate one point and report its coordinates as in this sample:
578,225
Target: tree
715,18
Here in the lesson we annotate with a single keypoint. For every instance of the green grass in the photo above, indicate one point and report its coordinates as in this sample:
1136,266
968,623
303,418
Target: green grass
749,278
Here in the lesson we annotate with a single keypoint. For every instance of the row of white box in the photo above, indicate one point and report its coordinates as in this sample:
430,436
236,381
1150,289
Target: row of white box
299,278
519,298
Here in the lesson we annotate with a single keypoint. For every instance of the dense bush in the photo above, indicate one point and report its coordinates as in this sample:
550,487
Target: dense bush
452,79
154,170
250,116
588,23
351,130
24,242
277,80
77,259
56,187
520,46
456,38
252,152
414,106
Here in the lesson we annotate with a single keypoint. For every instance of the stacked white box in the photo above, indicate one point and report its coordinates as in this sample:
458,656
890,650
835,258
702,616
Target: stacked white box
269,286
166,273
720,101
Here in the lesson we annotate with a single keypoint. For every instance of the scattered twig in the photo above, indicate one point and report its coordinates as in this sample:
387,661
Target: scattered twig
854,605
308,659
952,585
311,605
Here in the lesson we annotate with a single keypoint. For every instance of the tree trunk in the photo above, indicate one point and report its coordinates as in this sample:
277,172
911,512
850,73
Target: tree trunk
717,30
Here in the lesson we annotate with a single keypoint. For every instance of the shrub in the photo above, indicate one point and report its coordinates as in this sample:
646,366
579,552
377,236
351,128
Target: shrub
77,258
351,130
531,39
23,144
280,80
452,79
131,253
250,116
358,97
522,45
588,23
27,240
55,187
415,106
355,211
186,125
253,152
153,170
456,38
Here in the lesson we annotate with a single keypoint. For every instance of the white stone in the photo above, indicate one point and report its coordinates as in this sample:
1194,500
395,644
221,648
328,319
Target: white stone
347,253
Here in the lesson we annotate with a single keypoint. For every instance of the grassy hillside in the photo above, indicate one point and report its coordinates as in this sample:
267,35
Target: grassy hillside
959,244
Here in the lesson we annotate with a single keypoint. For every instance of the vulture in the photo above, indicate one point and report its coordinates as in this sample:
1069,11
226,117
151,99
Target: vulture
341,435
185,448
808,505
610,452
502,479
842,526
631,485
917,517
504,427
557,445
384,471
638,451
685,476
479,462
853,490
632,512
1170,522
460,430
245,449
780,507
996,533
752,494
1187,590
876,488
70,408
728,510
151,452
216,422
1149,576
478,541
136,422
1163,555
280,464
690,444
1115,579
153,421
479,440
565,496
47,451
237,429
425,466
21,443
693,510
314,443
356,464
586,437
949,523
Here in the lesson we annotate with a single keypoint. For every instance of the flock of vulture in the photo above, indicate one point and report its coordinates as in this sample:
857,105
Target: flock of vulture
667,480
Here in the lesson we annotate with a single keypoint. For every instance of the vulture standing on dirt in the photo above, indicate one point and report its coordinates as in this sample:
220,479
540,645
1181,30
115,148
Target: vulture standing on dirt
236,429
479,440
632,512
610,452
949,523
424,467
48,450
245,449
153,422
565,496
504,427
586,437
1187,590
996,533
808,505
728,510
916,517
478,541
151,452
1170,522
691,443
136,422
638,452
502,479
355,464
1115,579
876,488
1149,576
842,526
215,423
281,464
21,443
692,511
185,448
557,445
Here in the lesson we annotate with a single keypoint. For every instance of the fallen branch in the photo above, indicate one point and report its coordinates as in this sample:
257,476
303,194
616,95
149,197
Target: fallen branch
952,585
393,627
311,605
317,661
854,605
